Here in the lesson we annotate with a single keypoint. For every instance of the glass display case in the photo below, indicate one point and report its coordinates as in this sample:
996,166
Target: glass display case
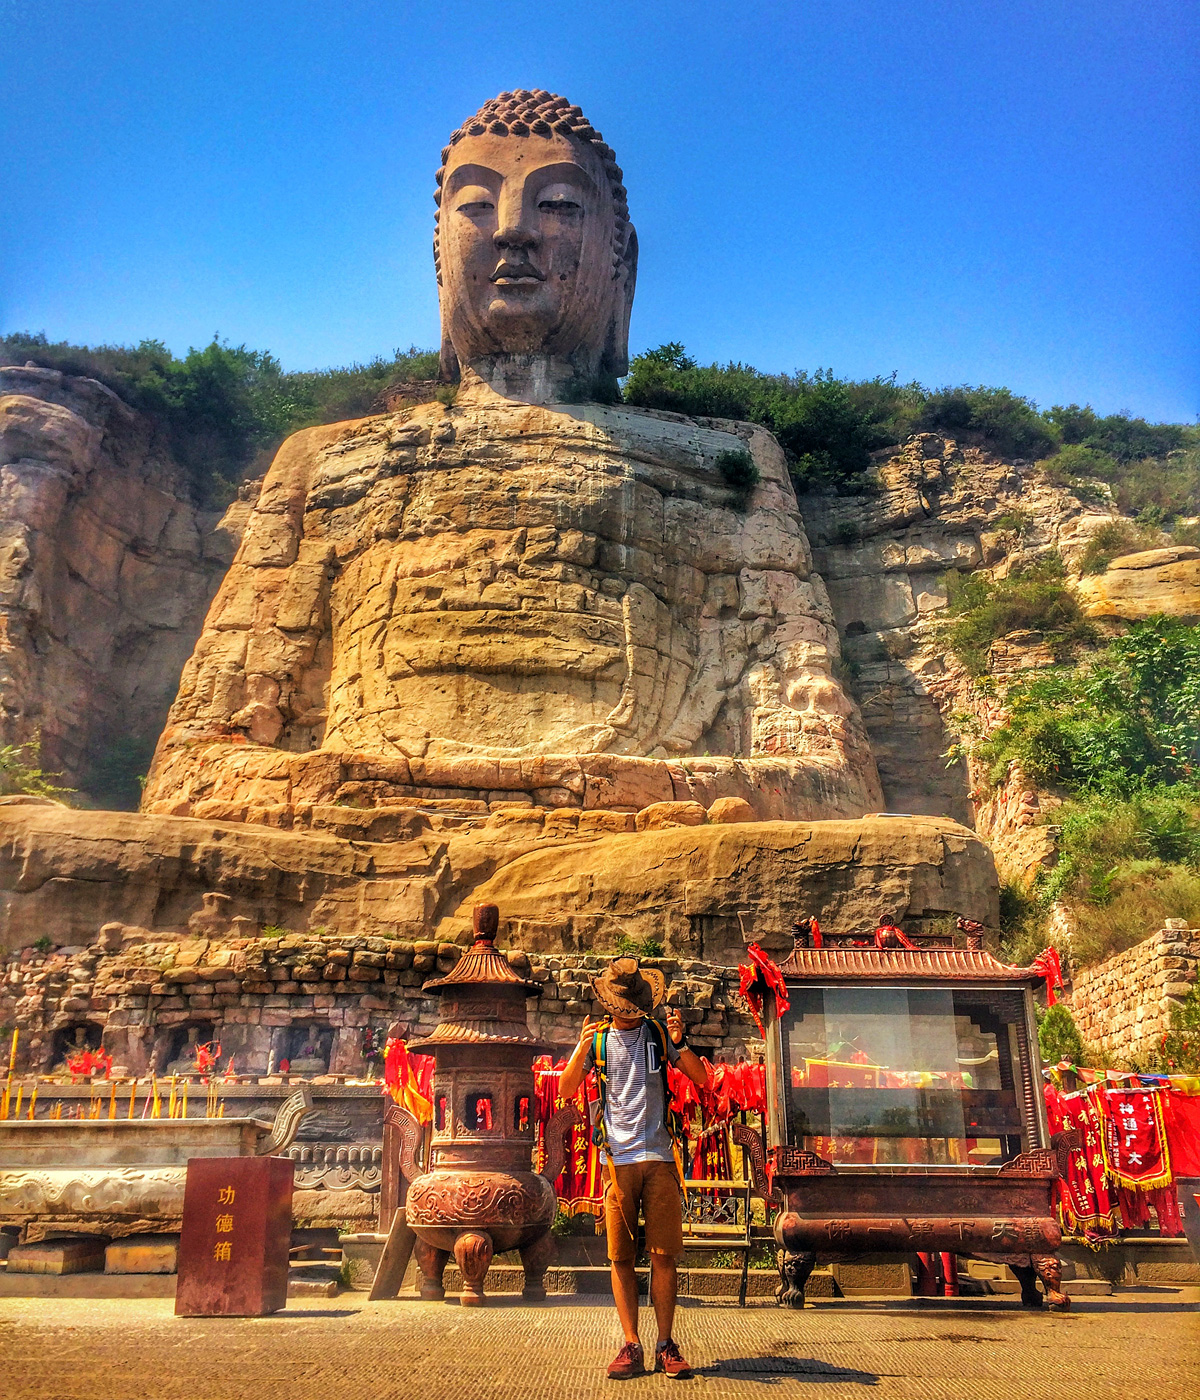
903,1075
906,1111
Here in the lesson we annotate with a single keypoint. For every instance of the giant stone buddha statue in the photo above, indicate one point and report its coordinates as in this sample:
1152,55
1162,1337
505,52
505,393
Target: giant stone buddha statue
530,591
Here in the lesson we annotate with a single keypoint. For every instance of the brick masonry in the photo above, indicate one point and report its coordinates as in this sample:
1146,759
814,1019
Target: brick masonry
1123,1005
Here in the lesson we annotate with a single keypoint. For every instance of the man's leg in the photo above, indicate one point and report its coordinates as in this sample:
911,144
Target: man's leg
663,1209
625,1295
664,1288
622,1192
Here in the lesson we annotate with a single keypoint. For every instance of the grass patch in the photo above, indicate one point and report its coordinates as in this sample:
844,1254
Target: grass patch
1038,598
633,948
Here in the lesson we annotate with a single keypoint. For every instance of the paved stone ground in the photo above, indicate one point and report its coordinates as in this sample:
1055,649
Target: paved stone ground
1143,1346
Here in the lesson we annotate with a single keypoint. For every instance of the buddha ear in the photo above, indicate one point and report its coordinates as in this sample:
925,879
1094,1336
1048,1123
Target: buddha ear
449,371
625,279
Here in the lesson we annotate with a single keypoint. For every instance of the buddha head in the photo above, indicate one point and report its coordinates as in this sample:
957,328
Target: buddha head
535,255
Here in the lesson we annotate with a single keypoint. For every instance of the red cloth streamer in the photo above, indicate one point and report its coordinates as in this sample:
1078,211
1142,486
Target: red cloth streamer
408,1079
1048,965
758,977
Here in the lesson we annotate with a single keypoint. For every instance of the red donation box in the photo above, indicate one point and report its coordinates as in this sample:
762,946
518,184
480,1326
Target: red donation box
237,1229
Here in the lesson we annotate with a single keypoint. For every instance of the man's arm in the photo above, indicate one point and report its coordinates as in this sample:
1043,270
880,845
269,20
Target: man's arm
689,1062
572,1076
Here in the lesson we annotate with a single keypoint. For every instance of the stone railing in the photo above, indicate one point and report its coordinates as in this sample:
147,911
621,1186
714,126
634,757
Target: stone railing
1122,1006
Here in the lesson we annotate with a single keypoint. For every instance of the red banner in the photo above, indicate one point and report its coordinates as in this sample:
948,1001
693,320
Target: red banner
1183,1132
1135,1138
1085,1203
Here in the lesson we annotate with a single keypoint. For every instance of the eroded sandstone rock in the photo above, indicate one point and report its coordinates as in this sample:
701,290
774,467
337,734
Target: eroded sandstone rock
564,882
1137,586
106,570
497,599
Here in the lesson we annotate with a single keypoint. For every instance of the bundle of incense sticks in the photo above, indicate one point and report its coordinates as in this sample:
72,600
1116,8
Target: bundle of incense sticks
12,1064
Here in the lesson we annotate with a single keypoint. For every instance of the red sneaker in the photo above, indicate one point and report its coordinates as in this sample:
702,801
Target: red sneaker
630,1361
667,1357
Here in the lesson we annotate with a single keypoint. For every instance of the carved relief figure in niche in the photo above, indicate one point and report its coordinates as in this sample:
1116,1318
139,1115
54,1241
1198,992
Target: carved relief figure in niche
533,571
71,1041
184,1046
307,1049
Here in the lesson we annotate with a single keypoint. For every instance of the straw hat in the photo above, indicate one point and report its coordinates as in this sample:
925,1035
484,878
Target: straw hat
627,989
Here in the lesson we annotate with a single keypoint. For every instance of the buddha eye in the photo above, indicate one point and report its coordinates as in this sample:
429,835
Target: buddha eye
560,206
474,201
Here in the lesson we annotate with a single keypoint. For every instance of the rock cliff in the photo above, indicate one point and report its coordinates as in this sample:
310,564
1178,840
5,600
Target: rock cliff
106,571
933,506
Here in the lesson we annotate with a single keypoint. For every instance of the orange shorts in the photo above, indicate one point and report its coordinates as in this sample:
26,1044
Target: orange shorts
654,1187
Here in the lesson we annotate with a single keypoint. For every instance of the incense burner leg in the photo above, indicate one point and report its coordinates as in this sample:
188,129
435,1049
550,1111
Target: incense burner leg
1027,1278
473,1252
432,1263
1048,1268
794,1269
535,1256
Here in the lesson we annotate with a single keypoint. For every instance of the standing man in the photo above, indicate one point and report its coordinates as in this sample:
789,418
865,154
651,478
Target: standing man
630,1050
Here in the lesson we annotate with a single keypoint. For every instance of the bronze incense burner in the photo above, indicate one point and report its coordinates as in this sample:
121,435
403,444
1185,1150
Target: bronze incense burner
481,1195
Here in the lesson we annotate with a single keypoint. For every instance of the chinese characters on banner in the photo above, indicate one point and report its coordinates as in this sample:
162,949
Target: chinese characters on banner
1135,1139
237,1229
1088,1207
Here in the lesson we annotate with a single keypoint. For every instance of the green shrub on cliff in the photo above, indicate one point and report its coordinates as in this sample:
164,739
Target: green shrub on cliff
1111,541
828,427
1124,721
1119,737
1008,422
1059,1038
21,773
1038,598
222,405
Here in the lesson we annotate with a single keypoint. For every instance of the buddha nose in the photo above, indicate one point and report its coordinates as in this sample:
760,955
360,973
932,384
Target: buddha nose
515,237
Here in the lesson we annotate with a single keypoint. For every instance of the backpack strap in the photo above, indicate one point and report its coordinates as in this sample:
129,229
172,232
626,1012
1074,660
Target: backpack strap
672,1120
600,1057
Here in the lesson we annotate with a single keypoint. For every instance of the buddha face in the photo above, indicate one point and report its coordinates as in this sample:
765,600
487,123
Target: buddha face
526,251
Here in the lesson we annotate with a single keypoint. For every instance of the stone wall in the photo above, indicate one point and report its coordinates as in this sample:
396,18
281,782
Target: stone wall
1123,1005
273,997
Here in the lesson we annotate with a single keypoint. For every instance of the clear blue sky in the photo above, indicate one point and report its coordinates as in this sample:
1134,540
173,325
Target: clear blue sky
991,191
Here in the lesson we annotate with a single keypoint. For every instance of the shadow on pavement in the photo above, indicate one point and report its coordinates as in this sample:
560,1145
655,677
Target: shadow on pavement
772,1370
